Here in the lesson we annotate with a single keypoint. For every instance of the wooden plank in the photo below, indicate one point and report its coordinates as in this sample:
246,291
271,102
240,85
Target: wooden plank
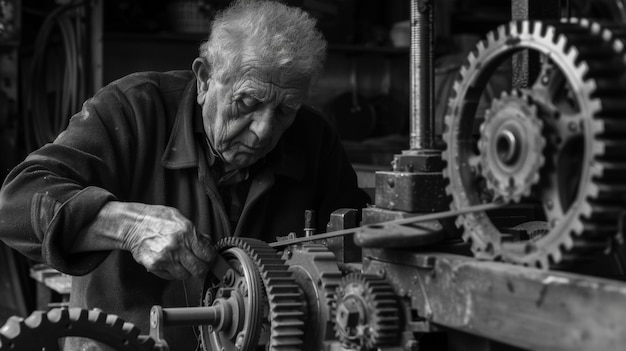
524,307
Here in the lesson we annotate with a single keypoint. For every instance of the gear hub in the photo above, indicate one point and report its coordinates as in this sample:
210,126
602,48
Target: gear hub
367,315
511,147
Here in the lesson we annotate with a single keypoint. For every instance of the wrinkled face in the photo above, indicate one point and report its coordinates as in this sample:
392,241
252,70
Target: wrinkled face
246,117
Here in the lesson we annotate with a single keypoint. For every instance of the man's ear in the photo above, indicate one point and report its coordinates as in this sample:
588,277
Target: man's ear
201,69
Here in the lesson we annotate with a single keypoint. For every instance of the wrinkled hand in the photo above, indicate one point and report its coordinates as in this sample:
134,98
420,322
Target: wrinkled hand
168,245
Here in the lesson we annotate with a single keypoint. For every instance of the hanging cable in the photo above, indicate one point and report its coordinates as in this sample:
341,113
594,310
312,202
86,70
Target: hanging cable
54,88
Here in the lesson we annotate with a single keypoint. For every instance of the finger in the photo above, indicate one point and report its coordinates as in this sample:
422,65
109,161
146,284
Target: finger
202,247
193,264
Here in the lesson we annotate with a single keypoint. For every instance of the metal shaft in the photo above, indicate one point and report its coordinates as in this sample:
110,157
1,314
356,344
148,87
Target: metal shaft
421,69
192,316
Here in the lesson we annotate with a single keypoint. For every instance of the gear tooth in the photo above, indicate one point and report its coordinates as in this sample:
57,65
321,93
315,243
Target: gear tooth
560,42
490,38
568,243
480,46
554,257
36,319
526,27
59,315
114,321
537,28
12,328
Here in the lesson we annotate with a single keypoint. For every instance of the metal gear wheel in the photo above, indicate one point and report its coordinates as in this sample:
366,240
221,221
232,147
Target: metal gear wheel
285,308
315,269
578,96
42,330
367,315
511,146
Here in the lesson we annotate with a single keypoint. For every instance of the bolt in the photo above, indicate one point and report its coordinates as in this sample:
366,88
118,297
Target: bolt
545,79
153,319
572,126
550,204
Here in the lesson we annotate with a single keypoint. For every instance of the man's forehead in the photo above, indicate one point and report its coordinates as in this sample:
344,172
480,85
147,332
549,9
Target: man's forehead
271,75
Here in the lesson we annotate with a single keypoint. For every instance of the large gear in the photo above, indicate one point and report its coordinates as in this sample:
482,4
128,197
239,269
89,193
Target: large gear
511,146
578,97
315,269
285,303
367,313
43,330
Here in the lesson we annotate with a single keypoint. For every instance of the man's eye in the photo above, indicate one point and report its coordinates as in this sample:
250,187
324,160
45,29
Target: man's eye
247,103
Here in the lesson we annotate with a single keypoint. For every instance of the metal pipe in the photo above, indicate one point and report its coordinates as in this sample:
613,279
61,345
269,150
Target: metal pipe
421,70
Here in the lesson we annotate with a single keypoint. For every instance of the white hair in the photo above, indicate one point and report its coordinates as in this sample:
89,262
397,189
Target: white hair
272,34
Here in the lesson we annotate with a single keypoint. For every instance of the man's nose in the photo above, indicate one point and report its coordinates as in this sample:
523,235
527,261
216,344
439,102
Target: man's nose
263,122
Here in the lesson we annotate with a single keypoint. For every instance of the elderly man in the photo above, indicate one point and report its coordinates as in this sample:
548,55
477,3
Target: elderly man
157,166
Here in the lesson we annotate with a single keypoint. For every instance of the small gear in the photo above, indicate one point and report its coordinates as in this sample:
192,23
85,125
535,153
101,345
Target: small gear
42,330
285,301
578,97
511,146
367,314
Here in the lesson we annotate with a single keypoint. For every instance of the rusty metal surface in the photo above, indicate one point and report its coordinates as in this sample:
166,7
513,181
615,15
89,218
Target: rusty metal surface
410,191
520,306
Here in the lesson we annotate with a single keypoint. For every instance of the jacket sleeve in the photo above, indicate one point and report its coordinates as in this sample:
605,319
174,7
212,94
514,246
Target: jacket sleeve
57,190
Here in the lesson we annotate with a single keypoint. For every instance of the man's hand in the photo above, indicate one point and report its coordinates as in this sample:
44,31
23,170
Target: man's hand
159,237
168,245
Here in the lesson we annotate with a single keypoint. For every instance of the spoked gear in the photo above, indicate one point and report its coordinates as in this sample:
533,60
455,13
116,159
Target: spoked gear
284,312
367,314
511,147
579,96
45,331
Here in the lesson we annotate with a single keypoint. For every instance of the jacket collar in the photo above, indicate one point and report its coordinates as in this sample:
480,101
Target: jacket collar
181,150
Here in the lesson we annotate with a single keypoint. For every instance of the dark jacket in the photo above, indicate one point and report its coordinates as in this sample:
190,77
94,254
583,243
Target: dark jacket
134,141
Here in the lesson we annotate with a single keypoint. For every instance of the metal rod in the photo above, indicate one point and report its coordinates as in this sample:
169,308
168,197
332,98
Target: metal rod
416,219
421,70
191,316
